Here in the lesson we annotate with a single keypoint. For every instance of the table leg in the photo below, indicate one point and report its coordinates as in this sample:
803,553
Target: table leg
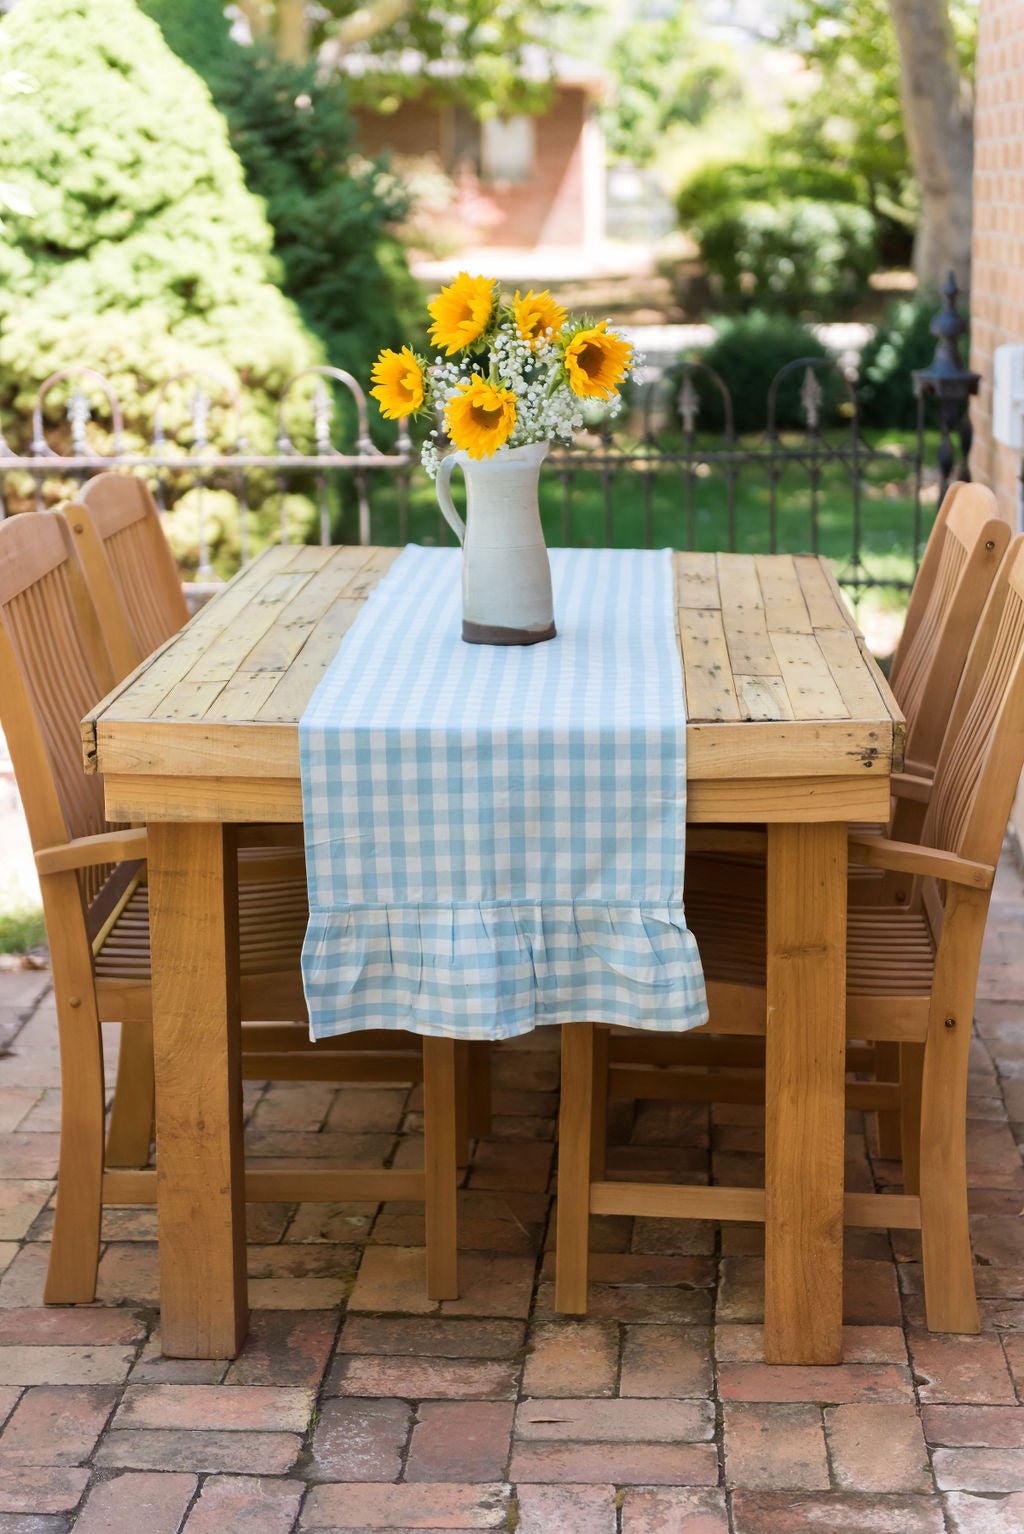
804,1090
196,1045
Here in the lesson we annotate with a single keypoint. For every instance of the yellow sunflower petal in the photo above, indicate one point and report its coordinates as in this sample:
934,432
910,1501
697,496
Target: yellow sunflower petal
400,385
536,314
481,417
461,312
596,361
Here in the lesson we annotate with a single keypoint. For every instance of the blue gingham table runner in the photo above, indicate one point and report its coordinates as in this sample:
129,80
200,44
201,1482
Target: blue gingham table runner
495,836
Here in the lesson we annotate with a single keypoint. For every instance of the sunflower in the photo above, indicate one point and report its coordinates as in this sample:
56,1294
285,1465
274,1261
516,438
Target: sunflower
596,360
461,312
536,314
400,383
481,417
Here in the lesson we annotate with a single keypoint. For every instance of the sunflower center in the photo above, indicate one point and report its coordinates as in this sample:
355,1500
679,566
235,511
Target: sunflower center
486,418
590,359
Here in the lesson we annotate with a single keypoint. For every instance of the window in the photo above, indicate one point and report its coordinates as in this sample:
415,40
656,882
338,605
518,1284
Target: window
507,148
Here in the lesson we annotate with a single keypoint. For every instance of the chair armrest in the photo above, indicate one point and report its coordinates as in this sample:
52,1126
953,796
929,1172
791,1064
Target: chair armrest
125,846
906,858
912,785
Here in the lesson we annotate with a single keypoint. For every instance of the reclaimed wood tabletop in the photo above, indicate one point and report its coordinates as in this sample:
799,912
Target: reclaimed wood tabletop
790,724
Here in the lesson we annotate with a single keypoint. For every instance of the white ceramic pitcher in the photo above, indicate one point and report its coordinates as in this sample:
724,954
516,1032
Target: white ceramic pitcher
506,577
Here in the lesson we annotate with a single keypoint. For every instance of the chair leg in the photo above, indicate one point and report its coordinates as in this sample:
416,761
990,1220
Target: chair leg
599,1106
130,1133
887,1124
479,1084
74,1254
950,1301
441,1172
574,1143
462,1155
911,1085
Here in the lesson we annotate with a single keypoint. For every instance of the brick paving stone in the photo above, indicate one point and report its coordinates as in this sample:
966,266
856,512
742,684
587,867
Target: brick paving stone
129,1271
56,1425
28,1523
245,1504
961,1369
41,1488
994,1427
666,1361
642,1268
633,1464
492,1286
362,1109
31,1155
287,1105
460,1441
152,1368
71,1325
22,1285
285,1347
970,1514
371,1505
296,1293
181,1449
133,1502
877,1448
511,1164
393,1278
674,1510
614,1421
331,1222
773,1512
606,1302
64,1365
481,1235
979,1469
20,1202
567,1510
9,1397
1014,1348
673,1238
423,1378
232,1407
431,1337
310,1259
359,1440
775,1447
572,1358
15,1104
739,1343
834,1383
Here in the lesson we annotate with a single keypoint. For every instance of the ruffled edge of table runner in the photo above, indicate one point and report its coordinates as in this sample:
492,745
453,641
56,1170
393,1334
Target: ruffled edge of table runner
494,970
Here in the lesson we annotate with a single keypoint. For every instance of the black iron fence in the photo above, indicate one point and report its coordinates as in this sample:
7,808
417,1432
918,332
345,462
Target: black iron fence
671,470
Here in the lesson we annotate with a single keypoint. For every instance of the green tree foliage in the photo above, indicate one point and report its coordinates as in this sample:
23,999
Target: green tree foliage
853,115
145,253
795,254
330,208
664,76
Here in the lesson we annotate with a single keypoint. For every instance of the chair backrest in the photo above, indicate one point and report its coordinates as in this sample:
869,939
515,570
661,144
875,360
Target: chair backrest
54,667
959,564
983,752
129,566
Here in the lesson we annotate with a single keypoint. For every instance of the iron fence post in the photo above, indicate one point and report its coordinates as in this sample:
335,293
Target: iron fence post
950,384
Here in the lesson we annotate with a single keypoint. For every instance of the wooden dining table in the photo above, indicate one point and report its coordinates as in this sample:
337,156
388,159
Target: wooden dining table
790,724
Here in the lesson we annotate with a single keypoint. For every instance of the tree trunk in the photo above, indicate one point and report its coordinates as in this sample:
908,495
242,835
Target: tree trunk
938,116
291,39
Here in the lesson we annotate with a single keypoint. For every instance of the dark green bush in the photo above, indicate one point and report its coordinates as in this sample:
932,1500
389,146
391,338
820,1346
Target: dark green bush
714,186
901,343
794,254
145,253
747,353
331,209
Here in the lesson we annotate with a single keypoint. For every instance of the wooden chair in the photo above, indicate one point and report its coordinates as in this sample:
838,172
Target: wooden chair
129,566
53,668
911,978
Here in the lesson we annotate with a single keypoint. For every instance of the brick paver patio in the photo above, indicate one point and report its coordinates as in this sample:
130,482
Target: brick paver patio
357,1404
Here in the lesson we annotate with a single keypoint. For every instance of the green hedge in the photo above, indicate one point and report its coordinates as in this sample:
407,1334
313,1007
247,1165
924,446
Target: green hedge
747,353
795,254
714,186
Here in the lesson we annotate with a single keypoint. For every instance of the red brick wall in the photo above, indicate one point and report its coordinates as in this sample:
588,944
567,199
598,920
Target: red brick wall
997,281
546,210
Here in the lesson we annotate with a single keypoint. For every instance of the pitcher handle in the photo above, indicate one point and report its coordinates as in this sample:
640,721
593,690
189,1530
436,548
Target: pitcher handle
444,497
